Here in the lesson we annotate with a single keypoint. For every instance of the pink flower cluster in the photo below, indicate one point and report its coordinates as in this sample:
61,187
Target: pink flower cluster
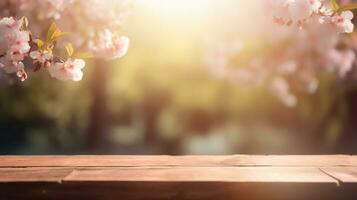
300,12
89,22
302,40
109,46
14,46
70,70
44,8
101,18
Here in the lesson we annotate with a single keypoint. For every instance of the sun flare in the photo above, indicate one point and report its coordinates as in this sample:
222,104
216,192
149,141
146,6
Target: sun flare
187,7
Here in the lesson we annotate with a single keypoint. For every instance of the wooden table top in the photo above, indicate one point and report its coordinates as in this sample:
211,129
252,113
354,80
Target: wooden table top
168,173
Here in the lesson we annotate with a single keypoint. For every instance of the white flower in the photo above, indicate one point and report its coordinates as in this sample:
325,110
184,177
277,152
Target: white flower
315,5
10,23
343,21
71,70
121,46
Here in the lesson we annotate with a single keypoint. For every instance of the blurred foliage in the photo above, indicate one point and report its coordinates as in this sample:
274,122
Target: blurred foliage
163,99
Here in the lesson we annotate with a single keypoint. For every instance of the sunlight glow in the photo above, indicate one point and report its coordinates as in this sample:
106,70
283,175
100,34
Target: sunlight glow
174,7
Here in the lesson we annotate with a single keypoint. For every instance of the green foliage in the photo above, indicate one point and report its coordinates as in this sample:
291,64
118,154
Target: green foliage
347,7
54,33
69,50
39,43
83,55
338,9
334,5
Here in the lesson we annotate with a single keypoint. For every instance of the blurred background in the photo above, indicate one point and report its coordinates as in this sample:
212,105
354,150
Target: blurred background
162,98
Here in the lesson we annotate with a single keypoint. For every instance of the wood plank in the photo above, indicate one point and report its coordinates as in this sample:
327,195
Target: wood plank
187,161
206,174
169,190
343,174
182,177
168,174
8,175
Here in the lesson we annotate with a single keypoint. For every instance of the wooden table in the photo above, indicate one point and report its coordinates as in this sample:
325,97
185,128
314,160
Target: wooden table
178,177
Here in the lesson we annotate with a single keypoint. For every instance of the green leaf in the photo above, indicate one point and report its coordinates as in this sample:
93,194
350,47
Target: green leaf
69,49
51,31
54,33
84,55
334,5
39,43
58,34
347,7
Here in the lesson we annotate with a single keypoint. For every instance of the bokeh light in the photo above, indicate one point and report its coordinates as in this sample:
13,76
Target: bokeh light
164,97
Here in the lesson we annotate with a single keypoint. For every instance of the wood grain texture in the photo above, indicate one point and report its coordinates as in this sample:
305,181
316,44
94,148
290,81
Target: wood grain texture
188,161
178,177
207,174
33,174
342,174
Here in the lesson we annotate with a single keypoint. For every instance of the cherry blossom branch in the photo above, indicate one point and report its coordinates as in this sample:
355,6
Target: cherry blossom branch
17,42
302,42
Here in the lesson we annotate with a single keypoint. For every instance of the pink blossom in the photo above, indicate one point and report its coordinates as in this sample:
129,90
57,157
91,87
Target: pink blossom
19,45
342,61
287,12
343,21
41,57
43,8
70,70
82,19
10,66
281,89
109,46
14,46
293,11
22,75
13,41
7,28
